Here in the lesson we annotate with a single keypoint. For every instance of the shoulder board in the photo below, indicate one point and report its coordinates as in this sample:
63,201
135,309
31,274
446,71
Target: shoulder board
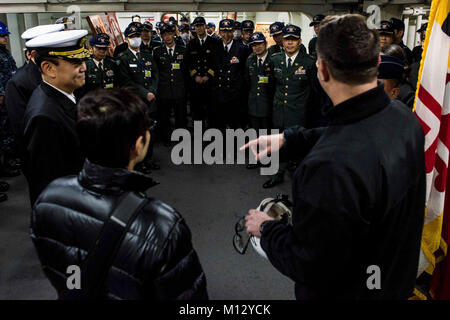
252,55
276,54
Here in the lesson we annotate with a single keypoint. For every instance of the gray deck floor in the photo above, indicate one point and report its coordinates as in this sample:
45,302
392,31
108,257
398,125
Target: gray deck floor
211,199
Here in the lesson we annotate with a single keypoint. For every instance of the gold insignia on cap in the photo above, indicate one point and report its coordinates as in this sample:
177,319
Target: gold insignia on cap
81,53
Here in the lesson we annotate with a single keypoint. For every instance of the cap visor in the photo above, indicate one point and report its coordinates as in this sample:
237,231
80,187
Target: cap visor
257,41
275,33
226,29
291,36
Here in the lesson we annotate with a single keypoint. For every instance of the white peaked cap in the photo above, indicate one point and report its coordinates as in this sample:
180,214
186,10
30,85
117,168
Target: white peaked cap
40,30
58,39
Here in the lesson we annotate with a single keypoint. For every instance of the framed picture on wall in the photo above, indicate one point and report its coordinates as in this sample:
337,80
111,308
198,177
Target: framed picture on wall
264,29
108,24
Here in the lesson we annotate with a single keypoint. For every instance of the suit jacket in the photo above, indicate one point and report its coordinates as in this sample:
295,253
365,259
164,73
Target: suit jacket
18,93
260,96
172,72
230,75
312,48
96,78
202,60
50,138
139,74
292,104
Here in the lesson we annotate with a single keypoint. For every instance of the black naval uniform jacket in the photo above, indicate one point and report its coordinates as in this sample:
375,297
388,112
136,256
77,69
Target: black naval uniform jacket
172,72
97,78
18,93
50,139
202,60
359,199
155,261
139,74
230,74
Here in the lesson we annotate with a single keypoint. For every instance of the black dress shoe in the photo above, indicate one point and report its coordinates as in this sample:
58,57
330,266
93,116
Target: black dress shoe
252,165
4,186
277,179
9,172
3,197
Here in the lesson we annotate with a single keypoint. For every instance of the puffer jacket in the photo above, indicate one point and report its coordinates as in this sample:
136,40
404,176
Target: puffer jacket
156,259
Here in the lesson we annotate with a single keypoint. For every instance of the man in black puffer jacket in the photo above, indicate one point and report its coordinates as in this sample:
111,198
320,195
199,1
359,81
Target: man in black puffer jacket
156,259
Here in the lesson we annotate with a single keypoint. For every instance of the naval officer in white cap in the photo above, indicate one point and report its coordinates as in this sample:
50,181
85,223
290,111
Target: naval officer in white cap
52,147
24,81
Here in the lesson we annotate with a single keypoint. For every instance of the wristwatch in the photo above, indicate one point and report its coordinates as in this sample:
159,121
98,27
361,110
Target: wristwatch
261,227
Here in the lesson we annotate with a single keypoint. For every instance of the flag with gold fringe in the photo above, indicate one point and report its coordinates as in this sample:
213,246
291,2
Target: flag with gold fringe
432,107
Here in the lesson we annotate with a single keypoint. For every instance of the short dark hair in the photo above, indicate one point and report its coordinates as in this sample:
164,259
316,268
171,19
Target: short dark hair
39,58
349,47
109,123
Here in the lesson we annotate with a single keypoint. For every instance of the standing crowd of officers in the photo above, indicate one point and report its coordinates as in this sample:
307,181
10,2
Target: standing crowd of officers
232,79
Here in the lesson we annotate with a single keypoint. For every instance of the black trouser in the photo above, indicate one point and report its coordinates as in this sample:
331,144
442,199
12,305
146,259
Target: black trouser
259,123
165,107
152,113
201,102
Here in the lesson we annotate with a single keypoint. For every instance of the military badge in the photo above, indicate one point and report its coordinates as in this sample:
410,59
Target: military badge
300,71
208,51
234,60
148,63
109,73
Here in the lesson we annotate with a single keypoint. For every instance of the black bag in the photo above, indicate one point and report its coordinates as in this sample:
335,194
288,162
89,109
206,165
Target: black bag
95,268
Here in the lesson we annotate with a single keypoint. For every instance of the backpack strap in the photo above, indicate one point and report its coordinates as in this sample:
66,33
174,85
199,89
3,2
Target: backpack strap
98,262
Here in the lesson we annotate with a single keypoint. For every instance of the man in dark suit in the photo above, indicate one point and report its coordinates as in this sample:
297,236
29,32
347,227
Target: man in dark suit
294,73
169,58
230,79
22,84
50,139
148,43
139,73
399,30
312,43
202,61
101,70
276,32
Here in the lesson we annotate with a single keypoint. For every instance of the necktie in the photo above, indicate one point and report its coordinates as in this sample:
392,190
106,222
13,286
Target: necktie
259,62
289,63
100,66
170,52
201,41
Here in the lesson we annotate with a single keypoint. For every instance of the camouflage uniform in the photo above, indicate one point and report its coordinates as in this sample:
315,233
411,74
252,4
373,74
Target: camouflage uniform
7,69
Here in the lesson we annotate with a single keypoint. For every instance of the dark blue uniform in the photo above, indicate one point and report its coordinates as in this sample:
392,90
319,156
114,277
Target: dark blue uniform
202,60
229,84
